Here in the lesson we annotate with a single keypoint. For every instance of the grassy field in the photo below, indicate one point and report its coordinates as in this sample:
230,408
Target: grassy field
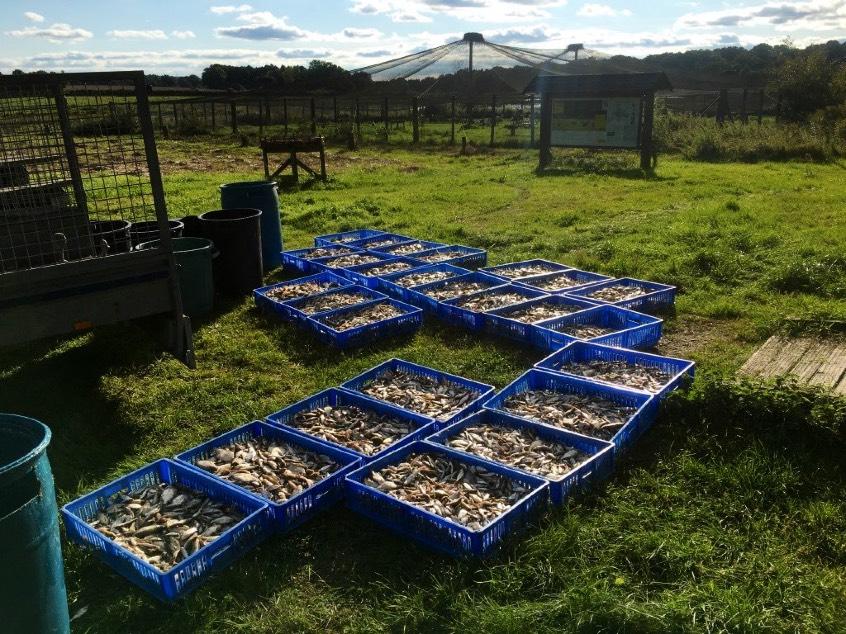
729,516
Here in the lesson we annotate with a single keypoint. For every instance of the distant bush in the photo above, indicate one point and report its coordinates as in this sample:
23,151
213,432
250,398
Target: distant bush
701,139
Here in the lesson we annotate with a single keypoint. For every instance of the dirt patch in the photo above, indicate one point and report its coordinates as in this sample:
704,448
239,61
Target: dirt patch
690,334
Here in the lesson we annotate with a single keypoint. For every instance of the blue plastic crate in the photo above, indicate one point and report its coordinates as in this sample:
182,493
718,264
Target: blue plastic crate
575,277
299,508
305,259
358,383
409,321
295,306
645,405
434,531
419,295
337,264
367,275
468,257
346,237
502,270
500,322
595,469
452,310
420,246
376,241
391,283
655,297
679,370
194,570
264,301
284,419
631,329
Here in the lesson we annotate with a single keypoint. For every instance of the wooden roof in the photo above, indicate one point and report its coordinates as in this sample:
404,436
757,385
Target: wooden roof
605,85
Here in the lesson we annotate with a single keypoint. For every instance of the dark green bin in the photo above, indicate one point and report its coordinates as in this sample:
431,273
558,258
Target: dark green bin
32,580
196,281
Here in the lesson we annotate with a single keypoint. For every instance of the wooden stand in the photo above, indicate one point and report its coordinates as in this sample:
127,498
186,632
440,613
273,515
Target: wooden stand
292,147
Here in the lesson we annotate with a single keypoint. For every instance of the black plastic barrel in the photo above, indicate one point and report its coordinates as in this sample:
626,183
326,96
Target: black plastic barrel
114,232
192,227
237,235
258,195
32,580
148,230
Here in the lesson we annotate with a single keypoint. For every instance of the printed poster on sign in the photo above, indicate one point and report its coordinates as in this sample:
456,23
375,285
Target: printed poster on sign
612,122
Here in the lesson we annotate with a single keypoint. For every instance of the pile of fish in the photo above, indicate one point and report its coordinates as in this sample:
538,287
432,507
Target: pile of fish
456,289
642,377
555,282
470,495
541,311
442,256
294,291
590,415
618,292
275,470
331,301
437,398
325,252
424,277
164,524
408,249
584,331
345,239
382,242
390,267
354,259
519,448
369,314
363,430
490,301
525,270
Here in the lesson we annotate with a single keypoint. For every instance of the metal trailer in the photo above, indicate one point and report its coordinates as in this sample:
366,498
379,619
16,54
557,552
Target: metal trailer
68,160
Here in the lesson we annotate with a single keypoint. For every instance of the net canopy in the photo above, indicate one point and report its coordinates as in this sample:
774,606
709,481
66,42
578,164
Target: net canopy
474,53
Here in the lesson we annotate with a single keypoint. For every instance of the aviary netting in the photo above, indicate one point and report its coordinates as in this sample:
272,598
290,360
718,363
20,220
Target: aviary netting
466,61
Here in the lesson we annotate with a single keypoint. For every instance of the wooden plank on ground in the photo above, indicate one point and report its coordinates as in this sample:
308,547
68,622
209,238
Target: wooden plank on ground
763,357
810,360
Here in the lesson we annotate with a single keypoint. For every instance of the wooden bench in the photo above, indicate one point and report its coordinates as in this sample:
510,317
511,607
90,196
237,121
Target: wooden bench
293,147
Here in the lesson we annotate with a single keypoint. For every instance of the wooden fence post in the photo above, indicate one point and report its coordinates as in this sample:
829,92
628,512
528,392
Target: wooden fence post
532,122
214,115
261,118
646,151
357,117
233,116
452,121
285,115
415,121
161,121
493,119
175,116
313,118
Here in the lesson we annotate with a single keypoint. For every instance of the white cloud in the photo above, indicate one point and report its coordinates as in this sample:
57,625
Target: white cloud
183,35
55,33
361,33
155,34
262,25
32,16
814,15
223,10
593,10
480,11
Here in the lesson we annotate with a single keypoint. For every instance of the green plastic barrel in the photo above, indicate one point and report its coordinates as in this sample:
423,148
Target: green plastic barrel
194,262
32,579
258,195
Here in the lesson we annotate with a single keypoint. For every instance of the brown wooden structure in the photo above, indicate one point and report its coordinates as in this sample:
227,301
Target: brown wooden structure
642,86
293,147
809,360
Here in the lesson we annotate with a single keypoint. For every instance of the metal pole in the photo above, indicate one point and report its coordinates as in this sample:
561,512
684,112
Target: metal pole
415,122
493,118
532,122
452,122
386,118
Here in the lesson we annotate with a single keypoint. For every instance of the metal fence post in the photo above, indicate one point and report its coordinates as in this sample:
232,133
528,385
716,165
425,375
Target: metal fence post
452,121
415,121
493,119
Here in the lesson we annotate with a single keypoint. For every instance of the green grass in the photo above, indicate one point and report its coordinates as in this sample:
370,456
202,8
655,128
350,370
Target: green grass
729,516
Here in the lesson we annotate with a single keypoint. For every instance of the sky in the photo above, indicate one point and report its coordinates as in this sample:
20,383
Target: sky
184,36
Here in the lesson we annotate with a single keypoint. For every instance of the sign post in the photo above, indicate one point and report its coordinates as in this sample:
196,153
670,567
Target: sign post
612,112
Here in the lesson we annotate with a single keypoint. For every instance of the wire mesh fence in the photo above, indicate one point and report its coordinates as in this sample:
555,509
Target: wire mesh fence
73,170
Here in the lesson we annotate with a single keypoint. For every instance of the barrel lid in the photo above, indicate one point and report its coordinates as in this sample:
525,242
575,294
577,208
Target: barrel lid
248,185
